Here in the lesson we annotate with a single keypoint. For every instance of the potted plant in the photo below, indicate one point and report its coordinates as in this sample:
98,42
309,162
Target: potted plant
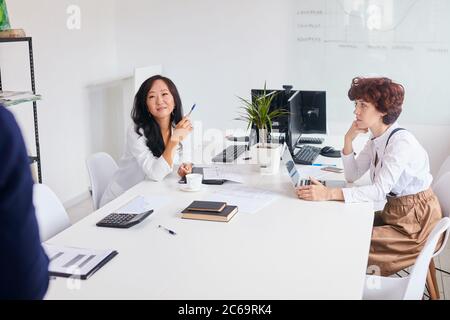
258,113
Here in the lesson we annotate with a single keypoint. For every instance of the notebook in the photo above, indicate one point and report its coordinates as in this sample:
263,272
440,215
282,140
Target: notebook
74,262
225,215
213,206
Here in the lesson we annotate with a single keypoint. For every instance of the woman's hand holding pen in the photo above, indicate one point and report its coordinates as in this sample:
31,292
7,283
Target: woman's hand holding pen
182,129
185,169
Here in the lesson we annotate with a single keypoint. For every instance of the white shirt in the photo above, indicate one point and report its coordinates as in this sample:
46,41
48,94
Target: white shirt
138,163
403,167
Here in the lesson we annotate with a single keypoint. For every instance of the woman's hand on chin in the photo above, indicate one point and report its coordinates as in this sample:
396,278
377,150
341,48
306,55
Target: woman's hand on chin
354,131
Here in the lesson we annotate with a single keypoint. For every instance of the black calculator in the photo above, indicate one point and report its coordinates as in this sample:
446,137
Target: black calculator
123,220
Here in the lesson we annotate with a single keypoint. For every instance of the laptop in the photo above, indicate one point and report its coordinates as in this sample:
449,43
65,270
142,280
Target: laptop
295,177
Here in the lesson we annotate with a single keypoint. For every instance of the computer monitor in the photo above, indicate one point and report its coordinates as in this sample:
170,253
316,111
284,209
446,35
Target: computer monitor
295,121
280,101
313,112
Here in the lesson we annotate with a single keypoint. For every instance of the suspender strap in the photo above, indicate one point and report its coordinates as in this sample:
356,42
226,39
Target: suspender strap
392,194
392,133
389,138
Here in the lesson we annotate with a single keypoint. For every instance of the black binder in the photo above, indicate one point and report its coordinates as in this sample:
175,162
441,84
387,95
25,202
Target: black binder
90,273
204,181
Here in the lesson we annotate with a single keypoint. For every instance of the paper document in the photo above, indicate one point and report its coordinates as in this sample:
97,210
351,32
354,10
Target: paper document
141,204
221,173
248,199
75,262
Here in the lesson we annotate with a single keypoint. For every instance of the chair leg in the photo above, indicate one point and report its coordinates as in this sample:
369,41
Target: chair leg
431,288
432,270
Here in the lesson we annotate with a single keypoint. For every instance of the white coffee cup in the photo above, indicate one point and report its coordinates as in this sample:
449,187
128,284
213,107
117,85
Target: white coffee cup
194,181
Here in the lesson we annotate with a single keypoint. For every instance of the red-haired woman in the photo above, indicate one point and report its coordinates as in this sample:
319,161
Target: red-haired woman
399,171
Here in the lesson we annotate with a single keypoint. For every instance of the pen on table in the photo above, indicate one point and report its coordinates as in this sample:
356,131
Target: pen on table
192,109
168,230
323,165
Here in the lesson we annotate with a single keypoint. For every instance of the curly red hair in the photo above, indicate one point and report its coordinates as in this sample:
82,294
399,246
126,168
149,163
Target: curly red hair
386,95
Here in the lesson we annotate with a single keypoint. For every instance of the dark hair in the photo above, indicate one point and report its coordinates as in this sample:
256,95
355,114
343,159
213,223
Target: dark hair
386,95
144,120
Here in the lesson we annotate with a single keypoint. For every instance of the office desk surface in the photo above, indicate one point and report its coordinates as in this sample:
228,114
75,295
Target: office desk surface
292,249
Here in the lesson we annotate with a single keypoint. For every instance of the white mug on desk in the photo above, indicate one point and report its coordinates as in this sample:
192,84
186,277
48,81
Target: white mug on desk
194,181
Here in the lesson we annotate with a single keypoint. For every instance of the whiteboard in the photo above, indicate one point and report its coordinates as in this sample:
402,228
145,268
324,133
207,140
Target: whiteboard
406,40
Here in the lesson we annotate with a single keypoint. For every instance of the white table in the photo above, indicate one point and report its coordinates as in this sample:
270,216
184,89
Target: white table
292,249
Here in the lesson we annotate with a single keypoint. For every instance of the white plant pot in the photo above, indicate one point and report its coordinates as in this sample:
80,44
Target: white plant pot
269,158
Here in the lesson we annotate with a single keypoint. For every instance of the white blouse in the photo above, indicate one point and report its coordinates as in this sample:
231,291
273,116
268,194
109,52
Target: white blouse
138,163
402,168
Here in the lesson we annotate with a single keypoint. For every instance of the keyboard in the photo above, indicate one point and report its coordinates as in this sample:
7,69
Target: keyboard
230,154
311,140
307,155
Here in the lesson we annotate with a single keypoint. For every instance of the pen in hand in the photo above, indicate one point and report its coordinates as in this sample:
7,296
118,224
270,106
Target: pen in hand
192,109
168,230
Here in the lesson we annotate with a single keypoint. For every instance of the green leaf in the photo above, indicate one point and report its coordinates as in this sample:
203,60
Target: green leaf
258,111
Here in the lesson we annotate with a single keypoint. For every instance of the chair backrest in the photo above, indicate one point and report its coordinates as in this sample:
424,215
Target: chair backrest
442,190
417,278
51,216
445,167
101,168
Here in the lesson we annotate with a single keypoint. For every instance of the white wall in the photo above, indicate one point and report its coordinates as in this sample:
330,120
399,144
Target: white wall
69,65
212,50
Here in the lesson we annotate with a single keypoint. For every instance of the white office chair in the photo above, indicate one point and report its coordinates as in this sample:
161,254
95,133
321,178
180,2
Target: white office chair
445,167
441,189
411,287
101,168
51,216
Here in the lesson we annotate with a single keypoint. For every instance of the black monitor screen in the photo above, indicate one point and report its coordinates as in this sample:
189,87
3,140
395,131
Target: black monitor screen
313,112
295,121
279,102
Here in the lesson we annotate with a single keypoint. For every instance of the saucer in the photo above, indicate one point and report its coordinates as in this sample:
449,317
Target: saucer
186,189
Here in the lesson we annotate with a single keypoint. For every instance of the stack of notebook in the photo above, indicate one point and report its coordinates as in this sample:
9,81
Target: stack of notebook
209,210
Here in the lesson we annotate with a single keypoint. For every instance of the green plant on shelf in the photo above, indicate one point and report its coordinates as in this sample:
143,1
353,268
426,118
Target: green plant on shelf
4,20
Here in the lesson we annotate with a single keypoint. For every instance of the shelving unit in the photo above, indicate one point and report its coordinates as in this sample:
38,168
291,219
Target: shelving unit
36,157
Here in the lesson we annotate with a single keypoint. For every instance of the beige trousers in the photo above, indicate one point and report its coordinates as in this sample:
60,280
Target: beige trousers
401,230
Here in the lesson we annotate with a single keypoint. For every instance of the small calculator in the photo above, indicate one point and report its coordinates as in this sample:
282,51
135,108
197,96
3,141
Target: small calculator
123,220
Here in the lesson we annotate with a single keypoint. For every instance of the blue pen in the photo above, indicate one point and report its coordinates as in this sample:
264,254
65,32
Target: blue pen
323,165
192,109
